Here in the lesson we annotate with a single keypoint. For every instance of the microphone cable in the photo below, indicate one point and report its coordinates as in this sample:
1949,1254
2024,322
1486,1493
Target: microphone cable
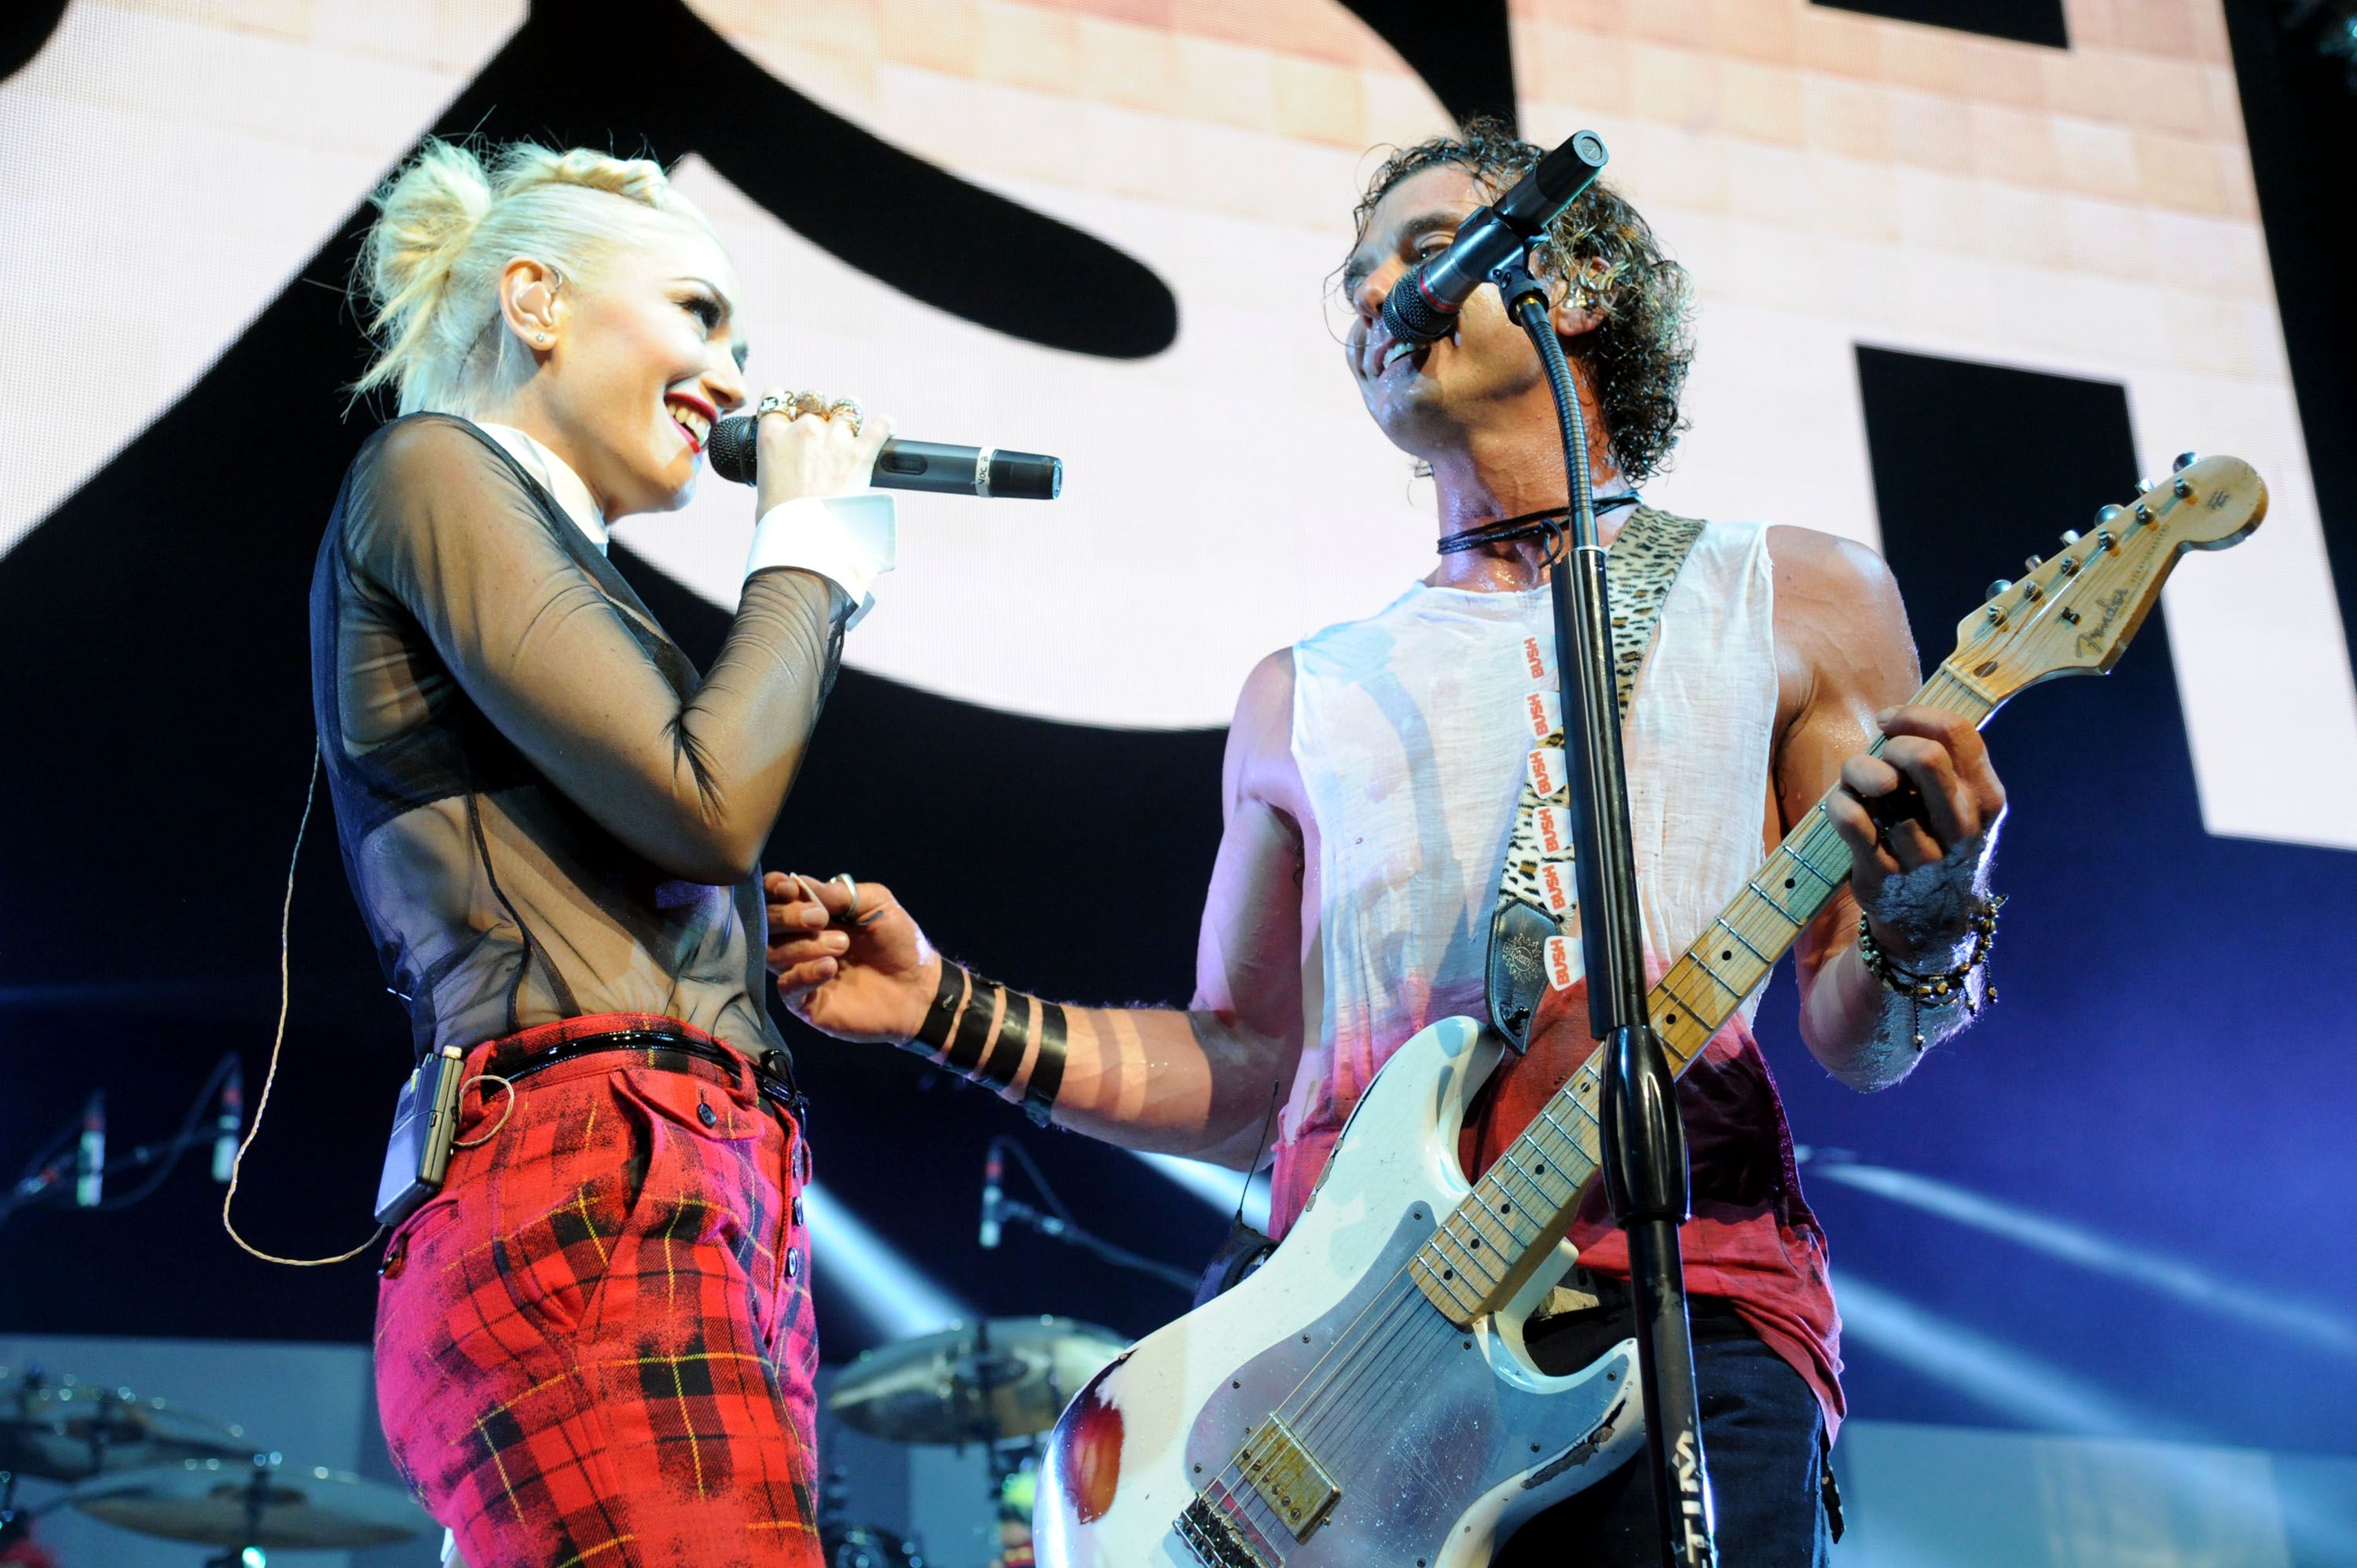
278,1039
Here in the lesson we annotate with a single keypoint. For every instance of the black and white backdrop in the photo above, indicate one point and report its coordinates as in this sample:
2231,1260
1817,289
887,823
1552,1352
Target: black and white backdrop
1966,272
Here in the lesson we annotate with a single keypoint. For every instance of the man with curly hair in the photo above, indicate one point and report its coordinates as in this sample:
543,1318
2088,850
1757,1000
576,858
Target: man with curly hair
1384,776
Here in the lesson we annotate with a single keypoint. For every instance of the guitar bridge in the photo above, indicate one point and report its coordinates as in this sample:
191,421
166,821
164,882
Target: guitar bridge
1216,1540
1288,1477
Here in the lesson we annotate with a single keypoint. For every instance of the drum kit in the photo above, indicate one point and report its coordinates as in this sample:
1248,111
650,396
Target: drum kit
147,1465
996,1383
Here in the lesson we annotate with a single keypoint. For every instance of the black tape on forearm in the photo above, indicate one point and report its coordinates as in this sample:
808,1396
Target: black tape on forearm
974,1028
1048,1073
1014,1041
934,1032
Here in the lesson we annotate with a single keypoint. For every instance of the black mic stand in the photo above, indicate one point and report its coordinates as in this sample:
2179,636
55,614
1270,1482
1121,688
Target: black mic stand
1644,1152
1060,1226
1013,1211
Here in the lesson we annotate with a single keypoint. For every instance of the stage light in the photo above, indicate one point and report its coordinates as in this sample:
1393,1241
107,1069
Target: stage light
2000,1376
2023,1388
896,1299
2332,24
2313,1325
1218,1186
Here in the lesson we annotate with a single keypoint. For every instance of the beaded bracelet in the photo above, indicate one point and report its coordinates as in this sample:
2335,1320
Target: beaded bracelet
1941,989
959,1023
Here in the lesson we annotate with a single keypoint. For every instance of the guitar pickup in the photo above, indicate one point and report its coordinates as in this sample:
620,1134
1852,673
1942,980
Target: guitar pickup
1288,1477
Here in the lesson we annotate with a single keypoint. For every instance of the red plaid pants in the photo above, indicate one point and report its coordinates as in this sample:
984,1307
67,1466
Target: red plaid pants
595,1345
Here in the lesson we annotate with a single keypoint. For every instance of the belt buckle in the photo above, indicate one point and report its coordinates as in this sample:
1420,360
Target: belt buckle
779,1088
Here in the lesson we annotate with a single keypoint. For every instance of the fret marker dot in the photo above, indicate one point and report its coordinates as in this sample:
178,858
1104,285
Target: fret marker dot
1788,882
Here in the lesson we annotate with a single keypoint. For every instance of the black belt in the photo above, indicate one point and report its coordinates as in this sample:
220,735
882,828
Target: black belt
666,1052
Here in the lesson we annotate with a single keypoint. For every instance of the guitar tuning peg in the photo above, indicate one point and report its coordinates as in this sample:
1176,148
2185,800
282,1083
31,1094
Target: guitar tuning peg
2070,536
2184,461
2106,516
2000,587
2033,563
2142,487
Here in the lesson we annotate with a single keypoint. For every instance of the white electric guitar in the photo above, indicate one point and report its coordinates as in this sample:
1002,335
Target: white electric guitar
1366,1398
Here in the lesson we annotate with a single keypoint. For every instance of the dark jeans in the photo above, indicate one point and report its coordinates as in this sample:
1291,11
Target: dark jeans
1763,1439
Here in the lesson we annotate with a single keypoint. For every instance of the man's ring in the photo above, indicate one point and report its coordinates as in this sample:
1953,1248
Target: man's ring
851,915
848,407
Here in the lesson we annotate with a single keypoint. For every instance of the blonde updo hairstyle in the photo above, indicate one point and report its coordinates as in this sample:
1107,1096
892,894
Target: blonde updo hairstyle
447,226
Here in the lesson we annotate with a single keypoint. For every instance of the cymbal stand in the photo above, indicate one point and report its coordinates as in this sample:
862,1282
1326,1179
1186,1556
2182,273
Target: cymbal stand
257,1497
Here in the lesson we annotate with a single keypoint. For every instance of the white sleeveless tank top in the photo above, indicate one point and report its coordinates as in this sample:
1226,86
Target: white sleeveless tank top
1411,731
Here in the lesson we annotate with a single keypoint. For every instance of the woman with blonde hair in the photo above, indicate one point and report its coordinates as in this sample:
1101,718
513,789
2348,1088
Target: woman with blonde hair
593,1342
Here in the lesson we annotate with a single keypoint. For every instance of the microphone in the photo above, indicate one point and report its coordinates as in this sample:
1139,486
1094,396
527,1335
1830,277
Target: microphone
89,1155
1423,306
230,1122
985,471
993,1168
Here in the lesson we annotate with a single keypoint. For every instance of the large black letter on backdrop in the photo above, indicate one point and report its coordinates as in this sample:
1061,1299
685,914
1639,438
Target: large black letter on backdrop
1462,48
24,26
2148,1075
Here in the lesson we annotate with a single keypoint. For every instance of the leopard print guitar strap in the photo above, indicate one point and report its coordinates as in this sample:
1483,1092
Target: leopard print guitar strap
1535,932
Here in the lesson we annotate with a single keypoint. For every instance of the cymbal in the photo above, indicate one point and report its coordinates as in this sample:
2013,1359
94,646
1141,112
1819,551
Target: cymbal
980,1382
70,1431
862,1546
215,1503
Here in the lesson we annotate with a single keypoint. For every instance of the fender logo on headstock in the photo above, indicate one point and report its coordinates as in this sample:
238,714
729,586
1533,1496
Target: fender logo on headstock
2092,639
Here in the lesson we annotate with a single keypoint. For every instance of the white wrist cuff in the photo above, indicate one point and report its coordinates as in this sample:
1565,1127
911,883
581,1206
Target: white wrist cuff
848,540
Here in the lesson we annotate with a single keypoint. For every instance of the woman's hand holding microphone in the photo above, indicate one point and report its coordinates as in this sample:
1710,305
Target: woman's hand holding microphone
814,445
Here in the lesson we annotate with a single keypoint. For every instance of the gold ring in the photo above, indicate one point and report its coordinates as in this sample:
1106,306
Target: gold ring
809,402
849,408
777,402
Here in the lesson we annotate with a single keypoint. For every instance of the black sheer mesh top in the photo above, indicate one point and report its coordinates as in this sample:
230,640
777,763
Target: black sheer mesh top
544,811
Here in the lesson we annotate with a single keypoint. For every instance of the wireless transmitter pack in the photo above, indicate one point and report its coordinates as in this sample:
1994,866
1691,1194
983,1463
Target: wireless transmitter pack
425,1122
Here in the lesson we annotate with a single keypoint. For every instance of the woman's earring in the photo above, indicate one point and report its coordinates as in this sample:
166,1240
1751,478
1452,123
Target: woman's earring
542,339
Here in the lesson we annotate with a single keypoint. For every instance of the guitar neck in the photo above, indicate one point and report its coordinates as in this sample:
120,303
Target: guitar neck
1489,1245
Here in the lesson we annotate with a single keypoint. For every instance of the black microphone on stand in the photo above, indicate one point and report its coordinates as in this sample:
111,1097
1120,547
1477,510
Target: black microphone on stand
985,471
229,1123
993,1168
1423,306
89,1155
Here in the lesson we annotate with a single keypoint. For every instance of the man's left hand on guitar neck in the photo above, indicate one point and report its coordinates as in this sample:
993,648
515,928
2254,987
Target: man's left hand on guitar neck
1919,821
1921,873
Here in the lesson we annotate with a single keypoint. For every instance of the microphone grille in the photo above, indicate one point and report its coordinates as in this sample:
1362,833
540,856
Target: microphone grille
735,450
1026,476
1410,318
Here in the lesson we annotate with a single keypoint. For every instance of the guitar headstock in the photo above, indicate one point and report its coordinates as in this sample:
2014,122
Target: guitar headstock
2073,615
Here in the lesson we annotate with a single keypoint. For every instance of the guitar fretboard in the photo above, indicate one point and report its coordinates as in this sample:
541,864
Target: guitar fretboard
1488,1246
